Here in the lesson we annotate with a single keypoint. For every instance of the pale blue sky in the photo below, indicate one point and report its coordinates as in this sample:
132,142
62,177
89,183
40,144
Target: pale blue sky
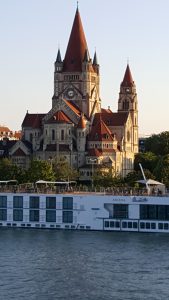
31,30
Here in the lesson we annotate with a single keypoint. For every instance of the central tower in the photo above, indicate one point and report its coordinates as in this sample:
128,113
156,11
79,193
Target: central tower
76,78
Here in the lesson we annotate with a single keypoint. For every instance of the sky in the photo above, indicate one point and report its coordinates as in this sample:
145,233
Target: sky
125,30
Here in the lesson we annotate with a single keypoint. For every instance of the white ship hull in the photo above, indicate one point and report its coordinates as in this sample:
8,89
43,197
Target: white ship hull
85,212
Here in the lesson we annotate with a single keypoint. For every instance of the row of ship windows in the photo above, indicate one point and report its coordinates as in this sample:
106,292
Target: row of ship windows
51,226
67,216
34,201
134,225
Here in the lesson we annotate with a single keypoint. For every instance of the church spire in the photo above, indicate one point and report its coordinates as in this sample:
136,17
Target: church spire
95,60
76,48
58,58
127,80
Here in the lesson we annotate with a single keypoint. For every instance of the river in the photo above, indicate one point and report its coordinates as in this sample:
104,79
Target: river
49,264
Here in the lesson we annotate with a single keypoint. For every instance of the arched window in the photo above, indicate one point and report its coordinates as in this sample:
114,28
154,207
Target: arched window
125,105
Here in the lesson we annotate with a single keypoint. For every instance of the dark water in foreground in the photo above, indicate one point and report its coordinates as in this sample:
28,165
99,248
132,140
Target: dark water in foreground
43,264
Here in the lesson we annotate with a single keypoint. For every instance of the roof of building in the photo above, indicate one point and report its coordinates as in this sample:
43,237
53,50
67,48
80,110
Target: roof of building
111,119
99,131
76,48
5,146
127,80
33,120
4,129
59,117
19,152
73,107
81,124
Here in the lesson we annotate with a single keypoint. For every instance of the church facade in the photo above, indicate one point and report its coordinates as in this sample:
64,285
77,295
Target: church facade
77,127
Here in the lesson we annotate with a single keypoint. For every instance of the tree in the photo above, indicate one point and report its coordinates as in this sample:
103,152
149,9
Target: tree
162,169
63,171
40,169
105,176
148,160
158,143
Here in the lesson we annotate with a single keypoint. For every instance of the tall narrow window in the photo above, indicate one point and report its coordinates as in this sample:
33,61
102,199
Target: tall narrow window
62,134
126,104
53,134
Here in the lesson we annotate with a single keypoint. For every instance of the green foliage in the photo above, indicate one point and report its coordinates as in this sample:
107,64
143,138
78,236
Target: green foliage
104,176
40,170
148,161
132,177
63,170
9,171
156,157
158,143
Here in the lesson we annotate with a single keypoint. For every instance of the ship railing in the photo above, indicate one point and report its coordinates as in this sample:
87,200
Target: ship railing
116,191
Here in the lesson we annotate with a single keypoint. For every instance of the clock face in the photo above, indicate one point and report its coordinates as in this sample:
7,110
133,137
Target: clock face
70,93
127,90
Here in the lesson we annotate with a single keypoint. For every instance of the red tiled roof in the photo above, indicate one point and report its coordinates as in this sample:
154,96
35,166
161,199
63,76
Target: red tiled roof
73,107
104,110
99,152
59,117
99,131
17,135
95,152
127,80
112,119
76,48
4,129
81,123
33,120
19,152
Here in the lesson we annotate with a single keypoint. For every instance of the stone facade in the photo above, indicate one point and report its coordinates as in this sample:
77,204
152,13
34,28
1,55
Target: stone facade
76,127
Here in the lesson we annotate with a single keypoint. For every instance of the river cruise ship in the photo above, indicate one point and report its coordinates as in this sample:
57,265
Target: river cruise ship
74,210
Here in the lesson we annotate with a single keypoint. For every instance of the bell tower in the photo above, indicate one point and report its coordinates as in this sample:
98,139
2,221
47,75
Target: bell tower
77,78
128,103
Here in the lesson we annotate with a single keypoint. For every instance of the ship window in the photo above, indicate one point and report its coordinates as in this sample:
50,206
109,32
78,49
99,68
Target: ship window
111,223
67,203
106,224
34,215
117,224
3,214
160,226
18,201
34,202
3,201
124,224
18,215
120,211
50,216
142,225
134,225
67,217
147,225
51,202
166,226
153,225
130,224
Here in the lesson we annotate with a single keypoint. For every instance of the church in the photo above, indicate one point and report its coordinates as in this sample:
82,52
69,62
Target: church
77,127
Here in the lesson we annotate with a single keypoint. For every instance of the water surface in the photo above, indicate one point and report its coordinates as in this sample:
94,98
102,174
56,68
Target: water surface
50,264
